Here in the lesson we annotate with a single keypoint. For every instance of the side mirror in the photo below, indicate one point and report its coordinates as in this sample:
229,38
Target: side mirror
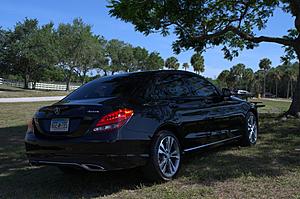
226,92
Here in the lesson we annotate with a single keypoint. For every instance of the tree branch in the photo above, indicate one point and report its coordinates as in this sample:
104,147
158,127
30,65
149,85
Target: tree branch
248,37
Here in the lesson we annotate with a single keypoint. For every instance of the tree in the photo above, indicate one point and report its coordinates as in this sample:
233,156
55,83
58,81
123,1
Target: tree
265,66
73,47
30,49
185,66
4,65
248,77
200,25
172,63
275,75
92,54
154,61
113,50
140,56
237,72
223,78
197,61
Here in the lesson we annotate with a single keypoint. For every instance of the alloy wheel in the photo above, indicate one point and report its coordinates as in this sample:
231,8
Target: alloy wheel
252,129
168,156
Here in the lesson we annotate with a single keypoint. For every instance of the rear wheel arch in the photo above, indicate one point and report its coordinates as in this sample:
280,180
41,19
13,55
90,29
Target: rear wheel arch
175,129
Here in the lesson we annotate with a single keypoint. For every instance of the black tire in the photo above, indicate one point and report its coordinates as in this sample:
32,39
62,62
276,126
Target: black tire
152,170
250,133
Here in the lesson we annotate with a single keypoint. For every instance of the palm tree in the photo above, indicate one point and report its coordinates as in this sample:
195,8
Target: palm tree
275,74
197,62
248,77
265,66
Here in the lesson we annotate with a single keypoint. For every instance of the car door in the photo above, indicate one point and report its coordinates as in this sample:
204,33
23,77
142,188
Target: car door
224,116
185,109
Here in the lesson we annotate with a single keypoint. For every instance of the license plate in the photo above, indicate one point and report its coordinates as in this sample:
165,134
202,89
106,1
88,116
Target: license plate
59,125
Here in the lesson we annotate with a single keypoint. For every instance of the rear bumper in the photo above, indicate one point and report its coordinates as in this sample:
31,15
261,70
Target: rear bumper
87,154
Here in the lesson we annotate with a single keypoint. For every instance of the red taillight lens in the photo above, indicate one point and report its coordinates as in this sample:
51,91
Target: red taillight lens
113,120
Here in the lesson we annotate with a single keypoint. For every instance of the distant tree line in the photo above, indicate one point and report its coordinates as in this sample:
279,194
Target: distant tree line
279,81
33,53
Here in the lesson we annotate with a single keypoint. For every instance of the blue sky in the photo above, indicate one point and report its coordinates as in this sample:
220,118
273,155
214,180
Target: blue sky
95,13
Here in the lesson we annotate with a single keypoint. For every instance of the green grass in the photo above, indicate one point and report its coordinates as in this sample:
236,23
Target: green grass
8,91
272,106
271,169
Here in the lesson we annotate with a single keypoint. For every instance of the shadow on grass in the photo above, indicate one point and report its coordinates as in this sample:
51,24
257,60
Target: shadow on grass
271,157
11,90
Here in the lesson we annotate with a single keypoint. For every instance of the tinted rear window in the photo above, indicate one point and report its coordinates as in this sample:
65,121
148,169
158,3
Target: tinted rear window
117,86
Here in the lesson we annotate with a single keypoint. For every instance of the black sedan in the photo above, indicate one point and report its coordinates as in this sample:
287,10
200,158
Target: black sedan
144,119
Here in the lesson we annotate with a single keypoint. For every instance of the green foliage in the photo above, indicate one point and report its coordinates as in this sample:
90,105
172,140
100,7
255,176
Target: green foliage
197,61
172,63
154,61
140,55
201,24
265,64
29,49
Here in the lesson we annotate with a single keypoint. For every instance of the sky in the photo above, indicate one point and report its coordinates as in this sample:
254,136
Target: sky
95,12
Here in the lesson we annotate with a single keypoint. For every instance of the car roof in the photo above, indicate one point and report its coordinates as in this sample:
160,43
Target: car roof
154,72
147,74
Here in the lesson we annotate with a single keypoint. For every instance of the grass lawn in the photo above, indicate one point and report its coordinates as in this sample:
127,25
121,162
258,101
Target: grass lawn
272,106
8,91
271,169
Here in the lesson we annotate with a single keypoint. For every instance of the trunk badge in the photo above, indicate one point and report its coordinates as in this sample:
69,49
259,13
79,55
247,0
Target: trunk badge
56,111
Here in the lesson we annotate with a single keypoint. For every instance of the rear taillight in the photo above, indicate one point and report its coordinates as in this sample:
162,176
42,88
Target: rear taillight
113,120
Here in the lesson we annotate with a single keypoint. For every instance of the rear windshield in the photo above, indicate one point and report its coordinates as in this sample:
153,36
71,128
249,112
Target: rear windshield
115,86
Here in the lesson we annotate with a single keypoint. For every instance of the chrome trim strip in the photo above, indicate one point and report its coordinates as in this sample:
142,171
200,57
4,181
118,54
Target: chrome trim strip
84,166
213,143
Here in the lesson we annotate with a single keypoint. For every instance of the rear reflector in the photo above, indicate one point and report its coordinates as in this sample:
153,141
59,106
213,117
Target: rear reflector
113,120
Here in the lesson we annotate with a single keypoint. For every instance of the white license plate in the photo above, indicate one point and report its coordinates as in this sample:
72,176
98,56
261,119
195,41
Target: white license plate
59,125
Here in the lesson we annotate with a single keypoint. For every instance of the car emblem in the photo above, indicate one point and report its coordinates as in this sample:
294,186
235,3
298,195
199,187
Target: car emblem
56,111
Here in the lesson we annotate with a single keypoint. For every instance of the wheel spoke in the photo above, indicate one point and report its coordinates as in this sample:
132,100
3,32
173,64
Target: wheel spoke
172,167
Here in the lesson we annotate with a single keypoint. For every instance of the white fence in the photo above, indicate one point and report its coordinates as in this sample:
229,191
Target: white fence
38,85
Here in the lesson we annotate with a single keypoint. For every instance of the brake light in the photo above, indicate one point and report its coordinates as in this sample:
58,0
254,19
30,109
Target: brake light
113,120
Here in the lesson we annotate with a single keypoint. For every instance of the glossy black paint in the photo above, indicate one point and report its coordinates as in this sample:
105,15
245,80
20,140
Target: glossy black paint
196,120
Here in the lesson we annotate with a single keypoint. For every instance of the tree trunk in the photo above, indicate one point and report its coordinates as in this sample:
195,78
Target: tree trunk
33,85
83,79
264,89
292,89
295,106
276,85
288,90
69,76
26,81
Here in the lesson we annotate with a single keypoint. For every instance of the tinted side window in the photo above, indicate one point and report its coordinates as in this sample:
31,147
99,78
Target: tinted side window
118,86
201,87
170,86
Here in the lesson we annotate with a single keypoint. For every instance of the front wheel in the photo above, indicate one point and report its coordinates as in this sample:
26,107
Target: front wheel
165,159
251,128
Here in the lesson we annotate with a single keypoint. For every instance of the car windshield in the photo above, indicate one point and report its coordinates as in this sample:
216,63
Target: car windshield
116,86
